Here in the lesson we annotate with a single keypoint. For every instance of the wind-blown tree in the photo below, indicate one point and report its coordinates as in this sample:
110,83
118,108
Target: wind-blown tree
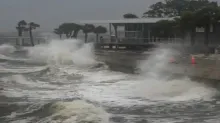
130,16
70,29
207,17
172,8
58,31
31,27
76,29
66,28
99,30
87,28
156,10
21,28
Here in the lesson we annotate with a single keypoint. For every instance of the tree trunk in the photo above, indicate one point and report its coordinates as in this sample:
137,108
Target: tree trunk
60,36
19,36
97,37
68,35
207,29
116,31
75,34
31,37
86,37
22,42
192,36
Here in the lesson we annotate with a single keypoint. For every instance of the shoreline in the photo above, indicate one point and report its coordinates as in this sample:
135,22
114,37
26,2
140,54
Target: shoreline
205,68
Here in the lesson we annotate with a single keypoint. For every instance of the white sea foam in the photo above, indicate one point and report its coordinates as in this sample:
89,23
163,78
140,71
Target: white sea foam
6,49
76,112
69,51
149,85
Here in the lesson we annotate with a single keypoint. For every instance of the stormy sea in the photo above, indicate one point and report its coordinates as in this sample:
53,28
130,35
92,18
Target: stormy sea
63,81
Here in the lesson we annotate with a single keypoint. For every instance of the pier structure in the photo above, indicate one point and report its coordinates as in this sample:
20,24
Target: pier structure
130,33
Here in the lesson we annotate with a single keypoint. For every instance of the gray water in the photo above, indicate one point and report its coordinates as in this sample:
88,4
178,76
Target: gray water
64,82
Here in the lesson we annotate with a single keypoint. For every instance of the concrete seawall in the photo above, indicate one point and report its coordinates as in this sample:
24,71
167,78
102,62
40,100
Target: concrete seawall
205,67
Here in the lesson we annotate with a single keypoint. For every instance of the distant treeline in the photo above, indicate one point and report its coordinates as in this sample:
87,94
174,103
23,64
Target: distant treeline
187,14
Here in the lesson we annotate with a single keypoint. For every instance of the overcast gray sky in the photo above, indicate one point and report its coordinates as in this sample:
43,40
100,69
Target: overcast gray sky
50,13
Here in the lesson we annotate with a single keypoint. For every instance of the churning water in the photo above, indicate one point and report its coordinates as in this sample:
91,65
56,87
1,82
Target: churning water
63,81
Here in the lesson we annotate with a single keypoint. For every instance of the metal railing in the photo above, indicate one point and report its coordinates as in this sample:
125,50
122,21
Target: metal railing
140,40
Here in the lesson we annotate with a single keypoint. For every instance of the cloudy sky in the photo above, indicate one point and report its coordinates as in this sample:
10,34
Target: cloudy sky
50,13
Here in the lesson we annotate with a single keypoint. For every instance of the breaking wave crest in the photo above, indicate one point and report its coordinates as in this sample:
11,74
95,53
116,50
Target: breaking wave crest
76,111
70,51
7,49
159,85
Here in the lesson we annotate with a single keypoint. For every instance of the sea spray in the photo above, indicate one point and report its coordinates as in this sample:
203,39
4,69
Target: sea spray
7,49
155,84
69,51
77,111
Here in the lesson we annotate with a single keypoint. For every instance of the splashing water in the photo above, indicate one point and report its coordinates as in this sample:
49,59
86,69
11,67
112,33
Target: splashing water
64,79
69,51
155,86
77,111
6,49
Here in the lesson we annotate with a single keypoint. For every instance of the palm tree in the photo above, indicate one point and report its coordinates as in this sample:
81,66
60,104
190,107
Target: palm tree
31,27
99,30
59,32
70,29
21,28
87,28
76,28
66,28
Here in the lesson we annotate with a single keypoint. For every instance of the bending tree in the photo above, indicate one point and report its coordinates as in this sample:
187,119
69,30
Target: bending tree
99,30
87,28
59,32
67,30
70,29
31,27
172,8
21,28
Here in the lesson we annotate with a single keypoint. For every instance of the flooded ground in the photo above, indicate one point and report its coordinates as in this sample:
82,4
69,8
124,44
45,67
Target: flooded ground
65,82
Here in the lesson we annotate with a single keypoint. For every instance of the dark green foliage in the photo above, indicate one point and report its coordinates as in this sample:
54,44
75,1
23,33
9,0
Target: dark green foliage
99,30
172,8
87,28
130,16
31,27
71,30
58,31
207,17
21,27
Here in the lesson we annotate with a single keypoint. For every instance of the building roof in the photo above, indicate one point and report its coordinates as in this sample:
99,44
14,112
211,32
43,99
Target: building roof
122,21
